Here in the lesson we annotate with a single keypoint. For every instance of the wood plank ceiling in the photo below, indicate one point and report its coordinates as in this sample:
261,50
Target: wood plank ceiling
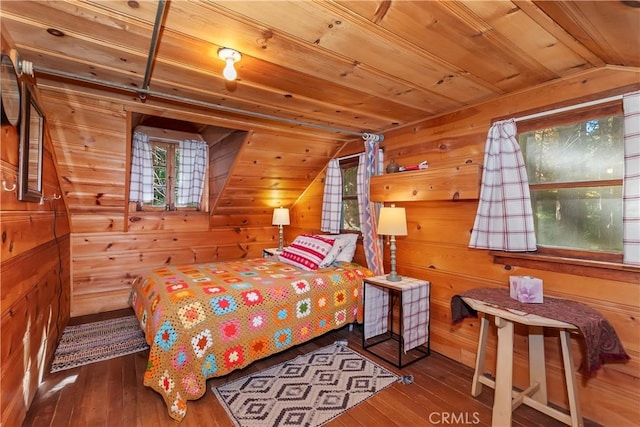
358,66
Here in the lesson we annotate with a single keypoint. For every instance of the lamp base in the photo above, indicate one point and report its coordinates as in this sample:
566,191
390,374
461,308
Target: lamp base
280,238
393,277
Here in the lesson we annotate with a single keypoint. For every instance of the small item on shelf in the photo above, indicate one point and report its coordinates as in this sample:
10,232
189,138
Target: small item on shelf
419,166
526,289
393,167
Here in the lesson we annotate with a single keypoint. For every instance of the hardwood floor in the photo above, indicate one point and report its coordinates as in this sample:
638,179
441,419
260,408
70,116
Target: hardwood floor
111,393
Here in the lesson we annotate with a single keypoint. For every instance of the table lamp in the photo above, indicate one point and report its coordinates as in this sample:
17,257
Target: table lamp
280,218
392,222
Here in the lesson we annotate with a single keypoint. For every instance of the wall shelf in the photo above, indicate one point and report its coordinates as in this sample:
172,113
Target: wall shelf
446,183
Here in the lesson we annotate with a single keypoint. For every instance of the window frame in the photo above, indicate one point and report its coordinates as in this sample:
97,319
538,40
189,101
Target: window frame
171,171
598,264
158,136
570,117
344,165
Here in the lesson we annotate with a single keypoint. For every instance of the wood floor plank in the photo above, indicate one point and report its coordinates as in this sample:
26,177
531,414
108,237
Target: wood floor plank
66,384
115,415
111,393
129,382
93,401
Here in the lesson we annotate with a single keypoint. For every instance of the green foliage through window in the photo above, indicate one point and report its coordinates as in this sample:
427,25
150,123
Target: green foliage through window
159,156
350,218
166,167
575,174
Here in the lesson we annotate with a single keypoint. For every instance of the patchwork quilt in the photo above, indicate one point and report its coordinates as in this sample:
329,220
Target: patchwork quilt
206,320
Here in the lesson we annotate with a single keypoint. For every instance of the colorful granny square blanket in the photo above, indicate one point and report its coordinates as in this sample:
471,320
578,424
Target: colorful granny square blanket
206,320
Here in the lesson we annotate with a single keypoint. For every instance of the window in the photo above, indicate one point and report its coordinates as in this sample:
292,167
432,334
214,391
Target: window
350,215
179,174
169,171
165,157
575,170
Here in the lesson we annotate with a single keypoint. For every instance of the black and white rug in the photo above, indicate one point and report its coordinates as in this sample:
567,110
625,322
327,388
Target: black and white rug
309,390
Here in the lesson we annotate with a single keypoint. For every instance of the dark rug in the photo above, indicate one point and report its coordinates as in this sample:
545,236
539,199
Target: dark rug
96,341
309,390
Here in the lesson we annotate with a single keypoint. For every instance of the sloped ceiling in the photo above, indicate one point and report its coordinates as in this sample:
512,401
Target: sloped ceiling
352,66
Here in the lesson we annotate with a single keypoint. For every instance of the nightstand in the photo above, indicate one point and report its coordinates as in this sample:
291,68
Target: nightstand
270,252
411,296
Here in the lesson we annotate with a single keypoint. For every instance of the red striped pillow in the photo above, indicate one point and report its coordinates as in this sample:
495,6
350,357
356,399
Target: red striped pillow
307,251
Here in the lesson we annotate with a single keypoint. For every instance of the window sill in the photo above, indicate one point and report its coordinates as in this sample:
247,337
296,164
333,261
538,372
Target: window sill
581,267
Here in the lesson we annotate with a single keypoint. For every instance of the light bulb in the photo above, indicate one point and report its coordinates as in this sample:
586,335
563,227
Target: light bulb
229,71
230,57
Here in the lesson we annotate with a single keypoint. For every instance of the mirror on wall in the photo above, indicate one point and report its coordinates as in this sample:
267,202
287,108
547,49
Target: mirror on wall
31,147
9,92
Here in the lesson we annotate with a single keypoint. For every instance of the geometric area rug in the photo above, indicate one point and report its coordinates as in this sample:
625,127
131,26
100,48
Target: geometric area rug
97,341
309,390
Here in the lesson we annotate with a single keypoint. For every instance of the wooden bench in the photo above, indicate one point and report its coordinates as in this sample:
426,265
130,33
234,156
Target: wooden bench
506,399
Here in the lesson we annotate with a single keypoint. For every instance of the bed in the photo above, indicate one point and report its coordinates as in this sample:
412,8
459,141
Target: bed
206,320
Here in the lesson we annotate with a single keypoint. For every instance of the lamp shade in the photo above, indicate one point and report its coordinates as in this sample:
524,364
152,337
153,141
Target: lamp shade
280,216
392,221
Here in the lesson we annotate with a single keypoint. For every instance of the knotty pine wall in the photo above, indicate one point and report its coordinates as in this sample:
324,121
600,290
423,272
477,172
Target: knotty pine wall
439,231
110,243
34,284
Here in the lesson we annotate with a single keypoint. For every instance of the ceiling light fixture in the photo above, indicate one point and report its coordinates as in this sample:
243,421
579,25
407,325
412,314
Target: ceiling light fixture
229,56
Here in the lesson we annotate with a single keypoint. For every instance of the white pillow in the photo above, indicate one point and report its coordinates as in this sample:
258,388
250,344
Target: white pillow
307,251
348,250
338,245
346,255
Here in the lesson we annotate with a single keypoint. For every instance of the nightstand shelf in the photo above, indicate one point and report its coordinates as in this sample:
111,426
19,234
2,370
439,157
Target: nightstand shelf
412,298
